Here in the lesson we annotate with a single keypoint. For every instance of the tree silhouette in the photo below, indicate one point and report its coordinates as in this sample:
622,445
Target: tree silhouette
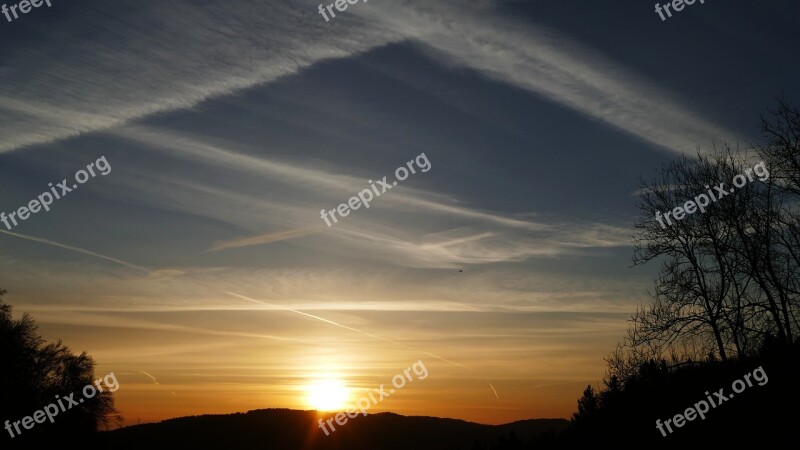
726,300
588,405
730,275
33,372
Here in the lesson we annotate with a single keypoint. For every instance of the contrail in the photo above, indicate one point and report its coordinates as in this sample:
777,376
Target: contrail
495,392
144,269
351,329
448,361
151,377
261,239
307,315
279,307
345,327
154,381
76,249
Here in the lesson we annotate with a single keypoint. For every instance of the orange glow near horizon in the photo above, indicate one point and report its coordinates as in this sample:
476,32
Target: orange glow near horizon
183,363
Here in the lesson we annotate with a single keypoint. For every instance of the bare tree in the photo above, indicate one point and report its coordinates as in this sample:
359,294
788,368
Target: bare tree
730,265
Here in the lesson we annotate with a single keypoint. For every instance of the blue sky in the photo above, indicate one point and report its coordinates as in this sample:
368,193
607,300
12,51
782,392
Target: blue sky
236,122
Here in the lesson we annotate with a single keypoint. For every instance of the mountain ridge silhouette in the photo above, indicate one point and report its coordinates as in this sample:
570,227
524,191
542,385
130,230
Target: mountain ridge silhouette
287,429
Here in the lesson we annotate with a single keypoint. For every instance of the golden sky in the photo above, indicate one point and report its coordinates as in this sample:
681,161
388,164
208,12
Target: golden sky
219,353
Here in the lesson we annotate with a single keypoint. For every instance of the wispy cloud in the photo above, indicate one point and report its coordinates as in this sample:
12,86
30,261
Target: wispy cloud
261,239
69,83
103,86
550,63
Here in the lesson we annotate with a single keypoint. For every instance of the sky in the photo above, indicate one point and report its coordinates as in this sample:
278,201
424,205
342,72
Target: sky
196,265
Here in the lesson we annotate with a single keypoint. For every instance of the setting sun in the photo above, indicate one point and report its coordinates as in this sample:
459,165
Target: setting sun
327,395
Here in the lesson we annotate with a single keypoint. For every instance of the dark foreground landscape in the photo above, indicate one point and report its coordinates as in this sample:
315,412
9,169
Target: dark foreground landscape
268,429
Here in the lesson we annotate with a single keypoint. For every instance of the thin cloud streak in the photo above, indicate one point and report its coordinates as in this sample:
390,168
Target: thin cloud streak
108,321
311,180
495,392
149,376
354,329
261,239
321,319
77,249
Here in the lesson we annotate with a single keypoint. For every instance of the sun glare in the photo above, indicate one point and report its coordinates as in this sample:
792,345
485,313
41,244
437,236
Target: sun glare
327,395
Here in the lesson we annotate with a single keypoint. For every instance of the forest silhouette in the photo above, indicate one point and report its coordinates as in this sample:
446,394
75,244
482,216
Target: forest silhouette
33,373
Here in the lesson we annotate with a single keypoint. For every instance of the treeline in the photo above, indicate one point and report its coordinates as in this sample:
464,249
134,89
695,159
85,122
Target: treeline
623,414
730,276
34,373
726,301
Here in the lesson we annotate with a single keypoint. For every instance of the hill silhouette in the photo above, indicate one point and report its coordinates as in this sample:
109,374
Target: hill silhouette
285,429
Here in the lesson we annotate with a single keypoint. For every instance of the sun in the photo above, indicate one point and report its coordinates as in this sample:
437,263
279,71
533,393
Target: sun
327,395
